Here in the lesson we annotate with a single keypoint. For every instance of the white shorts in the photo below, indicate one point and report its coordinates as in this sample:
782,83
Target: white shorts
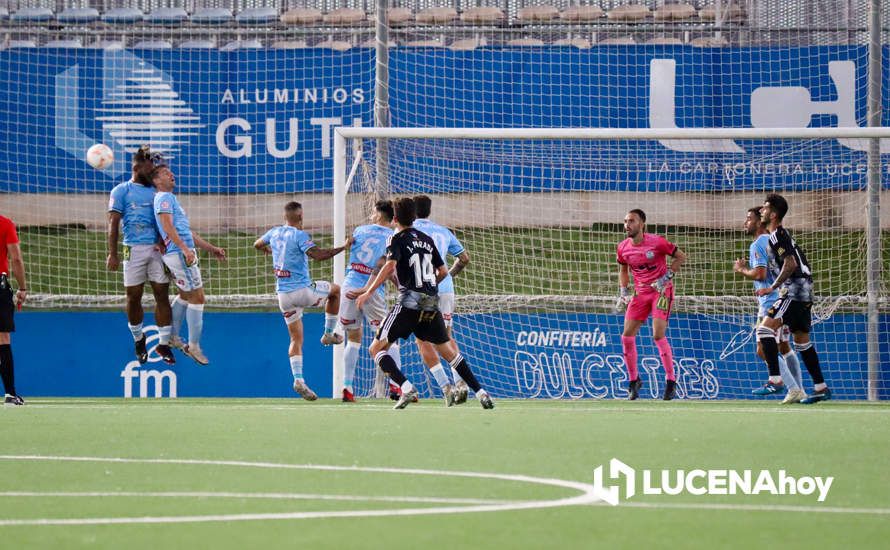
143,262
784,334
351,317
186,277
292,303
446,306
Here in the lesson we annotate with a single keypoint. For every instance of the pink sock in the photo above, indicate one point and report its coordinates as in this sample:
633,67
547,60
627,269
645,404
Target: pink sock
667,357
629,345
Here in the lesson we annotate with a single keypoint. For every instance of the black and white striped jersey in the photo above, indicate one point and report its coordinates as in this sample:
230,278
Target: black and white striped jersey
799,286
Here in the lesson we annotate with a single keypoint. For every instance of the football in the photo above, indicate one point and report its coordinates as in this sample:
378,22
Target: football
99,156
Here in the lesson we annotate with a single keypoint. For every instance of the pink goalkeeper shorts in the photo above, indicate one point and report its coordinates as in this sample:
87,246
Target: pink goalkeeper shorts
650,302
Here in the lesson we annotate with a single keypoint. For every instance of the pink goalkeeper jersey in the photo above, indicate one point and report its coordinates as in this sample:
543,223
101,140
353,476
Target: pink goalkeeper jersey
646,260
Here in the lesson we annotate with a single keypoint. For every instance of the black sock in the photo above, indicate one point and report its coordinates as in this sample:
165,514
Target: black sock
463,369
811,362
388,365
7,369
771,354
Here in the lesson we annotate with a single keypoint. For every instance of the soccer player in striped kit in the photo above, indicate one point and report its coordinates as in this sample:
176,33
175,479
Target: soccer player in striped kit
794,281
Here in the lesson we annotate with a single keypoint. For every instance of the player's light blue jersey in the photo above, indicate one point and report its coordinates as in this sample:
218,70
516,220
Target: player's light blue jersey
135,203
759,256
167,203
289,260
368,246
446,243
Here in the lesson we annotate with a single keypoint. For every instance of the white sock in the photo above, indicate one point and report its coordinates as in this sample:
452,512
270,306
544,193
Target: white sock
350,360
329,322
396,353
164,335
794,368
407,386
136,331
439,374
194,316
296,366
456,376
787,377
179,307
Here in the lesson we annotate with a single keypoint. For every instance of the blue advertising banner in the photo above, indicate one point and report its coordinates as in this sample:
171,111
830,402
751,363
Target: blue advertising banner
580,356
248,354
528,356
260,121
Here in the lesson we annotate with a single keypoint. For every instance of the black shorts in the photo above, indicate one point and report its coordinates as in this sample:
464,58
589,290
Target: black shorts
401,322
795,315
7,310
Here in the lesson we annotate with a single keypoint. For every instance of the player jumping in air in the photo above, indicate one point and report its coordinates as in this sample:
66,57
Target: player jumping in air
131,207
643,254
289,246
182,261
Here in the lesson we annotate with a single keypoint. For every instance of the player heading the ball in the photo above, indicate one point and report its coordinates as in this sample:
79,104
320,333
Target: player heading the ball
182,260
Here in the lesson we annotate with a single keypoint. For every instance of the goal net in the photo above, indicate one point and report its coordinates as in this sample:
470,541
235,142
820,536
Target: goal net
540,214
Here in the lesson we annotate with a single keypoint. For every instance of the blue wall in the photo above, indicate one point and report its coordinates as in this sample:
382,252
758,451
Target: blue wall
60,96
248,353
249,356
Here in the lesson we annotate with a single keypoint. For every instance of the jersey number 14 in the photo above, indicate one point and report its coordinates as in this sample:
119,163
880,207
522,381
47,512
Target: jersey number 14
423,269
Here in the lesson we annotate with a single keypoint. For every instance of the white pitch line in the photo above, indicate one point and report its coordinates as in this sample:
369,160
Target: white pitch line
269,496
587,496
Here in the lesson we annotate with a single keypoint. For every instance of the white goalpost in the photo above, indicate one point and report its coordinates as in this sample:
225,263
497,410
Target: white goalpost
539,212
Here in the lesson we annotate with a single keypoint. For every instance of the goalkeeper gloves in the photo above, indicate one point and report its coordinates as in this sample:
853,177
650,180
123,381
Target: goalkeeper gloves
661,284
624,298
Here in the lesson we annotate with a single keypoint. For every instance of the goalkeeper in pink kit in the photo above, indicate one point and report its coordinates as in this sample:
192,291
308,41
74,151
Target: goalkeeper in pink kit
643,254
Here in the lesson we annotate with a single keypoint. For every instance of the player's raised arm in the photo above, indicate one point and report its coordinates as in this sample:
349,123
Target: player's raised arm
317,253
262,246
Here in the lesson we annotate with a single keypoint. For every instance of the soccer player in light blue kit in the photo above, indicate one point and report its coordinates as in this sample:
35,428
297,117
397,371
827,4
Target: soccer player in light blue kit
290,246
757,270
365,257
447,244
182,260
132,206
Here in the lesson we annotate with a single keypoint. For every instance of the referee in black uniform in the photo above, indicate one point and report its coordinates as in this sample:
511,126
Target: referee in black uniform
10,254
